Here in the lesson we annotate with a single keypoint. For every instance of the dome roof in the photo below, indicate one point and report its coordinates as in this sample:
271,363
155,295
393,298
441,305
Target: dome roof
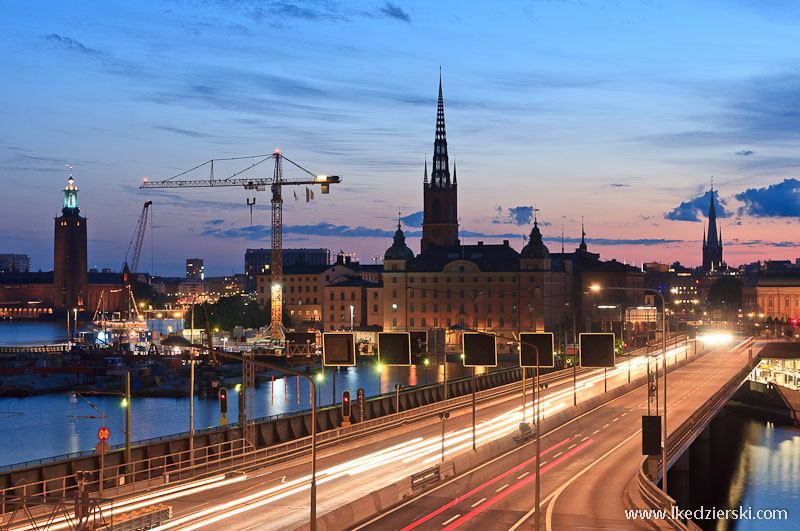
535,248
399,250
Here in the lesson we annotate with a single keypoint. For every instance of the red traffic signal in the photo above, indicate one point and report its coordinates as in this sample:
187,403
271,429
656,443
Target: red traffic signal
346,404
223,400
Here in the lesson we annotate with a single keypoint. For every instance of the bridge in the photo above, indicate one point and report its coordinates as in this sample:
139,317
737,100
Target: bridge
408,469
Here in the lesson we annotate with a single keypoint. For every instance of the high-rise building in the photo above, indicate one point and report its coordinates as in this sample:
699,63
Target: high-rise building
15,263
70,280
440,194
256,262
712,245
194,269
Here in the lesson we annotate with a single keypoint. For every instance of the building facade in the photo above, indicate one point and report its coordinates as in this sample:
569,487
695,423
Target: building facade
256,262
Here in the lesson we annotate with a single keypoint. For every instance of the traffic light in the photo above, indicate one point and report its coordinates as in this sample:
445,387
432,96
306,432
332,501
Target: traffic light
346,404
223,400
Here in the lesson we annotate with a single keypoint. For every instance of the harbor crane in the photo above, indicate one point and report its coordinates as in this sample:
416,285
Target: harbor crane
275,183
136,242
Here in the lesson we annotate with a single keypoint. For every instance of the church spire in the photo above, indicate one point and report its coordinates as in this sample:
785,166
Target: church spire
440,175
582,246
455,180
425,179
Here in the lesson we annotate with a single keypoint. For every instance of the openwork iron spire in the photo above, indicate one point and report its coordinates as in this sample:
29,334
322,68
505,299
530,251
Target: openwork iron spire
440,176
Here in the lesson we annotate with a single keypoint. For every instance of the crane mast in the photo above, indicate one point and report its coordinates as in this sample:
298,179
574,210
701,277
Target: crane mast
136,241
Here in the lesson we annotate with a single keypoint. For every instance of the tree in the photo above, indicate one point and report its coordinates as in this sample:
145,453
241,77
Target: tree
726,293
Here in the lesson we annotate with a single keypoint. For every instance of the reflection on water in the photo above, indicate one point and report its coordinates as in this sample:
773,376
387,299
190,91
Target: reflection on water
32,333
753,464
53,424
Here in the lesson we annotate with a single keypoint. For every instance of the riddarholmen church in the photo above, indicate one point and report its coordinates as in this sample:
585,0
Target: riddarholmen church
490,287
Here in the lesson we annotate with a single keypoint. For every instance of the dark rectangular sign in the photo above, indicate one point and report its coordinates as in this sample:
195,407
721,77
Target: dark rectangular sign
543,341
480,350
596,350
338,349
394,348
651,434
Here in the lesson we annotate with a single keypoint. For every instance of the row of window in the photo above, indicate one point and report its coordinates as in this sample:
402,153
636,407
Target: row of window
448,279
435,323
787,302
461,294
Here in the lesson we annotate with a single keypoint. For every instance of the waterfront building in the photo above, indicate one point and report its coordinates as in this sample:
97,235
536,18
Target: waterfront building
256,262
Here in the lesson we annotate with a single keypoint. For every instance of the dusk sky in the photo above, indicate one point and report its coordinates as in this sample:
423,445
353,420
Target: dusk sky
620,112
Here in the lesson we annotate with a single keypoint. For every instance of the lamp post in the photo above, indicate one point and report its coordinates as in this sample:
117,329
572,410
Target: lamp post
664,354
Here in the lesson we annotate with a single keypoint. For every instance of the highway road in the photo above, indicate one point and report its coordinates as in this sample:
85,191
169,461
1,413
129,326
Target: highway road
586,464
498,494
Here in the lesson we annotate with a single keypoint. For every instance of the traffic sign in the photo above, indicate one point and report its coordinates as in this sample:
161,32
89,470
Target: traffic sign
101,448
338,349
543,341
394,348
103,433
480,350
597,350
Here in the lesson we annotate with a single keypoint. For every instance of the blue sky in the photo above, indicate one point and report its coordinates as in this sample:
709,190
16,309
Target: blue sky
619,112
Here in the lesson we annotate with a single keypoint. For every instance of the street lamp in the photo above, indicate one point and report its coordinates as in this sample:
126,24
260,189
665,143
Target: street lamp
352,313
664,354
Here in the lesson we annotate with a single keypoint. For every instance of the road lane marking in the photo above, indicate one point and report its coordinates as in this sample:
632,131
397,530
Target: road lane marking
595,432
453,518
556,494
476,489
606,425
501,488
559,453
616,419
519,485
478,502
523,475
584,438
573,446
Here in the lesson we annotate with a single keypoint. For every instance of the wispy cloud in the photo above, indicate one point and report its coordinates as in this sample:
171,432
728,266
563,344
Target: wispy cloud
696,208
745,153
392,10
72,45
775,200
616,241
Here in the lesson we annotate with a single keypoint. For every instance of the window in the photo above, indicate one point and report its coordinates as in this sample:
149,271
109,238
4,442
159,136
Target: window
435,321
461,307
394,293
475,308
262,289
315,300
489,307
394,268
449,308
423,279
315,289
331,307
423,322
435,308
424,307
342,317
331,296
475,323
435,294
291,289
461,293
449,322
327,277
411,322
352,295
769,302
514,323
411,293
308,288
411,307
394,280
787,302
375,295
502,279
488,279
435,280
448,293
502,308
422,294
489,322
394,321
374,308
394,308
341,307
341,296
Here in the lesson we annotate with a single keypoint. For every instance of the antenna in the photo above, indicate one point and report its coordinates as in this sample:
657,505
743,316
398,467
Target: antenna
71,167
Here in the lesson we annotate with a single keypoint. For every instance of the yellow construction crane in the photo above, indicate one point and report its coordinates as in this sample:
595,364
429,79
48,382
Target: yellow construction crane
275,183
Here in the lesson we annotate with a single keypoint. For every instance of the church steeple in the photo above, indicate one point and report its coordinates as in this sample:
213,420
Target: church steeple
582,246
440,176
440,213
712,242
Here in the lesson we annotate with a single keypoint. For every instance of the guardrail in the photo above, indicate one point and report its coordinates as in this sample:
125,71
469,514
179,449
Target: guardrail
680,439
160,467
